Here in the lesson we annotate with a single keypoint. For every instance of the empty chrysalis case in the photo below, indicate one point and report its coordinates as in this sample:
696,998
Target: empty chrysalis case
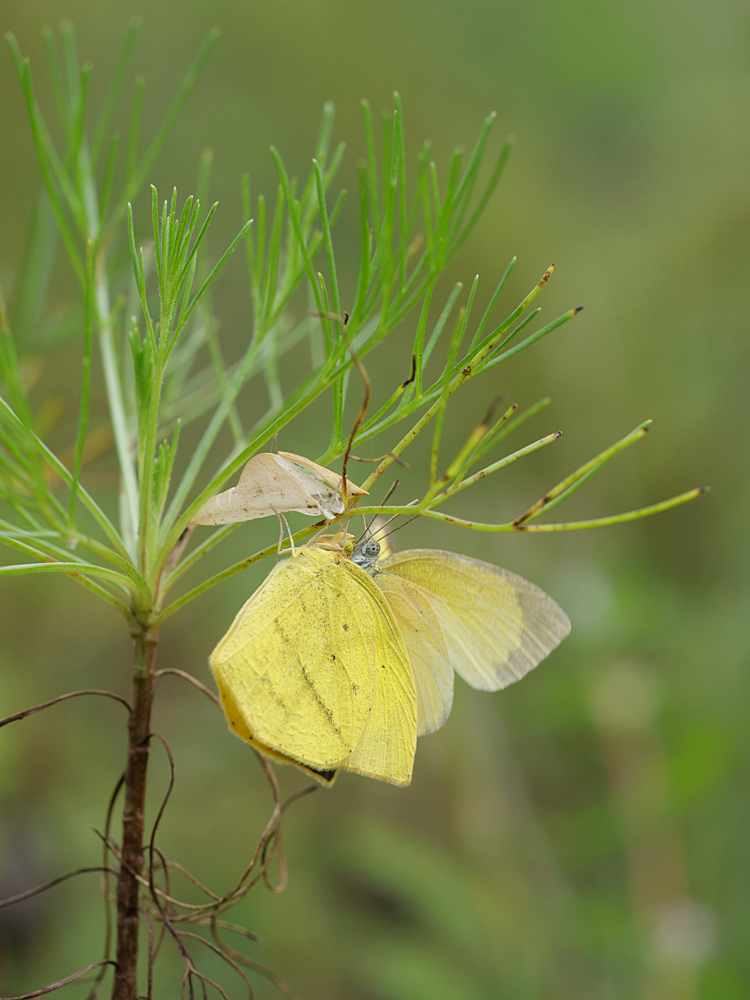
276,484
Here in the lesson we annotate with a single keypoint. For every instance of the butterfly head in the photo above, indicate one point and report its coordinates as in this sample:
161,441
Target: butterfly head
366,554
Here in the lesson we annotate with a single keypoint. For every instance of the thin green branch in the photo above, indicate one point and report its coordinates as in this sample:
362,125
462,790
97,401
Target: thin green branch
568,485
225,574
51,169
495,466
88,334
597,522
71,568
62,471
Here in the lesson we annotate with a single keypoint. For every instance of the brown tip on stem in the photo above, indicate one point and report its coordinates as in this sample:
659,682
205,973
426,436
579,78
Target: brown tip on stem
558,434
547,274
703,489
578,309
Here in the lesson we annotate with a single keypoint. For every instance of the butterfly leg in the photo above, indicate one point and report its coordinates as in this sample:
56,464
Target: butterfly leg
282,524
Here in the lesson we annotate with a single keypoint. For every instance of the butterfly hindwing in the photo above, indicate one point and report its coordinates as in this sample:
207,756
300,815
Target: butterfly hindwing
495,626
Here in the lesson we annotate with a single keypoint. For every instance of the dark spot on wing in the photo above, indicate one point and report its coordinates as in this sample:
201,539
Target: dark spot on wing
326,710
346,627
279,628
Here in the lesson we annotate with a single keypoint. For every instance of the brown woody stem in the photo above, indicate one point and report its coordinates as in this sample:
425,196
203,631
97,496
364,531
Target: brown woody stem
139,728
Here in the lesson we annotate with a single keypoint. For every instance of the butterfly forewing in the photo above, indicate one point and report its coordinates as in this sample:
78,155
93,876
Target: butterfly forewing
314,495
298,663
495,625
237,724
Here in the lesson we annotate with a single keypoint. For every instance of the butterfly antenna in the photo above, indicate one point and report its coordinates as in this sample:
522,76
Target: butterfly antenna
380,534
383,502
390,493
398,527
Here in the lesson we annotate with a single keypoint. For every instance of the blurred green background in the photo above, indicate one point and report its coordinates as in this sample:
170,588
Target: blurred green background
583,834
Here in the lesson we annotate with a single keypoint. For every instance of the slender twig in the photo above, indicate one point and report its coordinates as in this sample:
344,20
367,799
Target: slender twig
192,680
61,982
222,953
10,900
63,697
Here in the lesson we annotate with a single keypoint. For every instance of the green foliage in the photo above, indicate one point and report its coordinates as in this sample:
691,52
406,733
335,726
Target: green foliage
408,237
56,525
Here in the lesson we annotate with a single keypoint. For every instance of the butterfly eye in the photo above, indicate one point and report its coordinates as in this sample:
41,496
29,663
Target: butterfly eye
365,554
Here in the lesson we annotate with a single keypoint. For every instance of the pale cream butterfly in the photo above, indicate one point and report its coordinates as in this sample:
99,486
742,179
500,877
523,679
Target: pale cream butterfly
276,484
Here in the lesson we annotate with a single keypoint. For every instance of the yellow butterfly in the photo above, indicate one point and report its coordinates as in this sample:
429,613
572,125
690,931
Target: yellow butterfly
339,662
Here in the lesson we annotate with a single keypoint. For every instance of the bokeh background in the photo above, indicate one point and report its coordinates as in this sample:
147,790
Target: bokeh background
583,834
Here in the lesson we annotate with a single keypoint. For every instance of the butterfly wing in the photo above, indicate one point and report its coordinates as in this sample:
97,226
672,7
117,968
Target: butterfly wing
327,475
323,777
419,624
495,625
314,495
388,744
296,670
267,485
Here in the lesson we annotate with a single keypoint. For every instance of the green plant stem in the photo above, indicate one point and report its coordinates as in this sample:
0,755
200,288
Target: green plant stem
298,536
146,468
116,403
85,382
597,522
133,816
